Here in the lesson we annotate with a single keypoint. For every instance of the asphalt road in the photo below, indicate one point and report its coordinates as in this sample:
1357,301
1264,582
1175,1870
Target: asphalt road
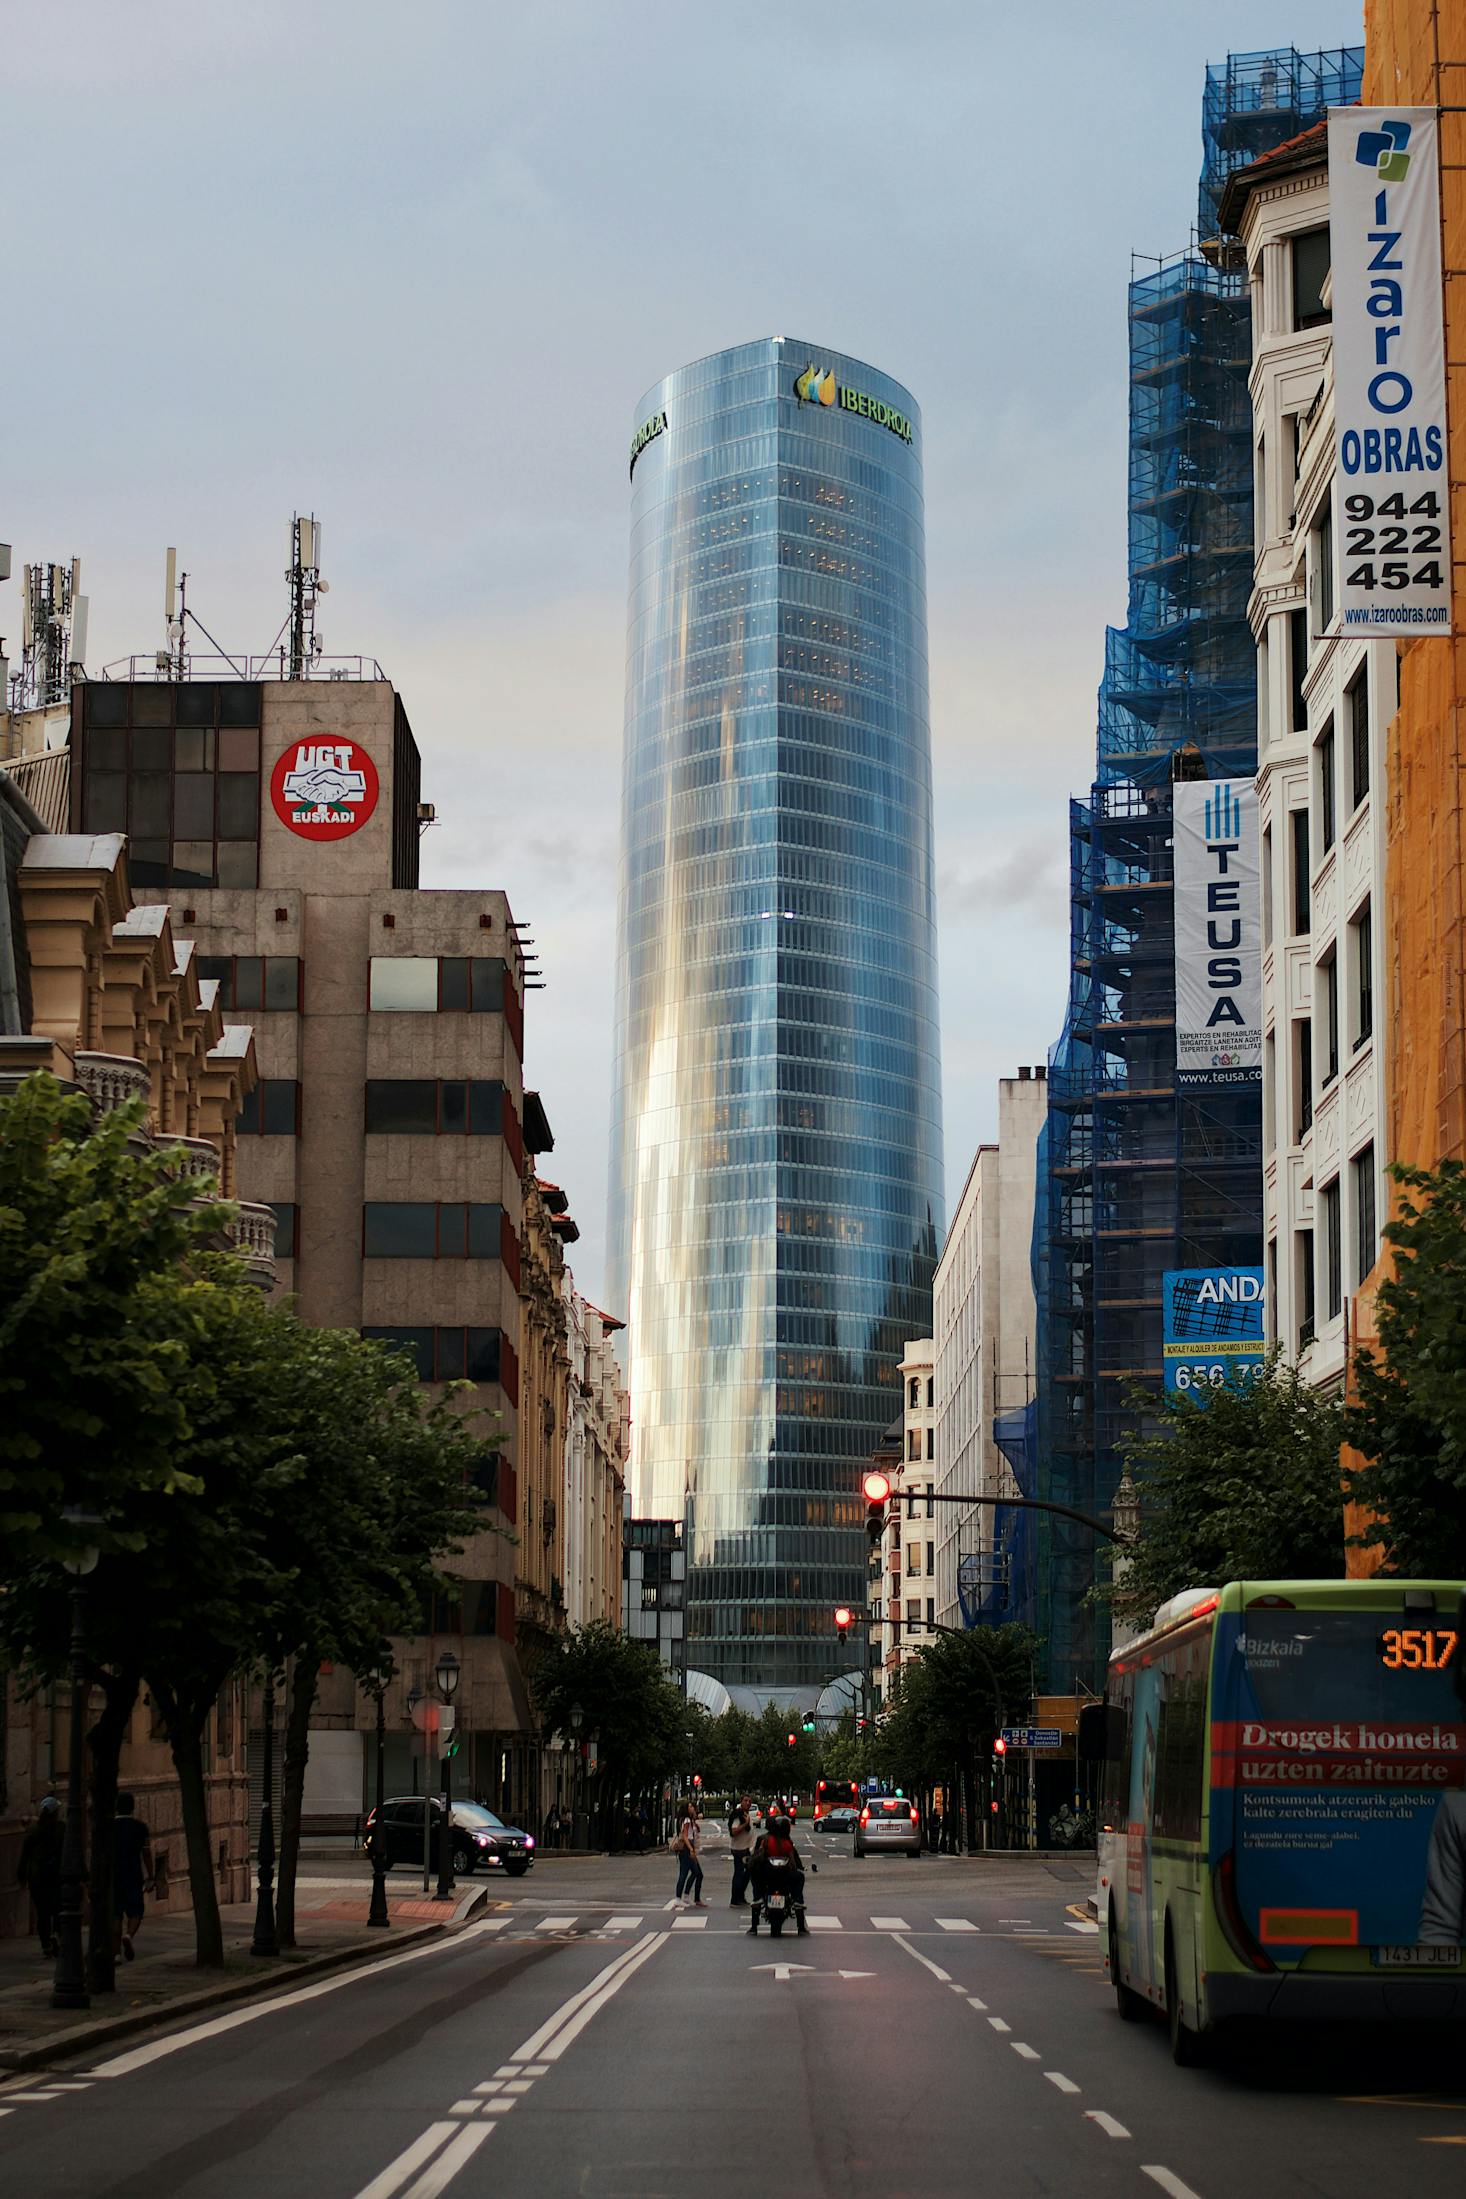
945,2028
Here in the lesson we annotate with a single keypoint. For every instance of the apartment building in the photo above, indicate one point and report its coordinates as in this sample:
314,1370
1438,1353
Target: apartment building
1325,701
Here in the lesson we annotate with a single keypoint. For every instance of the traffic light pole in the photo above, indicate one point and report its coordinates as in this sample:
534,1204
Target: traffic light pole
1021,1504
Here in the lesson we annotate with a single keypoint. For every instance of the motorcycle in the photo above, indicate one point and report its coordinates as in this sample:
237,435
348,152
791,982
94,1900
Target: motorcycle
779,1899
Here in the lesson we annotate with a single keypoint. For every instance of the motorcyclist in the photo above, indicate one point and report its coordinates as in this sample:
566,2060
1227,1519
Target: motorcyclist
777,1847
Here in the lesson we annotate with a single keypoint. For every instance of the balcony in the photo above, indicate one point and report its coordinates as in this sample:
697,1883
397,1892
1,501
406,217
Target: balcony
110,1081
254,1233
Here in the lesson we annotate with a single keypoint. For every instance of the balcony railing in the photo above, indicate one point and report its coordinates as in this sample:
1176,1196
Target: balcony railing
111,1080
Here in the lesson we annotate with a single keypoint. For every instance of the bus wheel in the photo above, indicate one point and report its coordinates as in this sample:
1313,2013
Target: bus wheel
1130,2005
1188,2047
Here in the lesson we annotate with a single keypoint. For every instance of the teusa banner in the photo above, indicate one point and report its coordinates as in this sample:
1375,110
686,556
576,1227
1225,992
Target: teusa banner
1218,935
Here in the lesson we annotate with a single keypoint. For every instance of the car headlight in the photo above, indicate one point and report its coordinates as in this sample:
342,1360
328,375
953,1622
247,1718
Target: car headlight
483,1840
529,1840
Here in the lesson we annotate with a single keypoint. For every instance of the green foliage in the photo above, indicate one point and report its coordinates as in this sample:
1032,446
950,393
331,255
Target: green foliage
954,1696
1244,1485
628,1705
95,1242
1409,1421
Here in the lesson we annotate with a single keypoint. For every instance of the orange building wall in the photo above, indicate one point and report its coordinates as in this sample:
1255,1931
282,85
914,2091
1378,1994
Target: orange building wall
1415,53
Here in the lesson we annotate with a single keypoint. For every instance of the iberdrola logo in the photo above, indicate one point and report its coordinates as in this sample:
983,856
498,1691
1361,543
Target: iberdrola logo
812,384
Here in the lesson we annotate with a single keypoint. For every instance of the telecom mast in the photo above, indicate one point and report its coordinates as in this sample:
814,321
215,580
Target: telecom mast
306,584
53,634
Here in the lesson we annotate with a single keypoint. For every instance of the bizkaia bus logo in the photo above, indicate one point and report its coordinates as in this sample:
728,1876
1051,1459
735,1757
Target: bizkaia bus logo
324,790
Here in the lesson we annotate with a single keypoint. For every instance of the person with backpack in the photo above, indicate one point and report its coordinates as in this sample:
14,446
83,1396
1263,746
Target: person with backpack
686,1846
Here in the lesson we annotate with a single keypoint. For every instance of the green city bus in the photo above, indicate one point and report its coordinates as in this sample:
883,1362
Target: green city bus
1283,1804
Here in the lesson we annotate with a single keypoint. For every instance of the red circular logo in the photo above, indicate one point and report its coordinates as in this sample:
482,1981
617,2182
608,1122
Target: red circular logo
324,789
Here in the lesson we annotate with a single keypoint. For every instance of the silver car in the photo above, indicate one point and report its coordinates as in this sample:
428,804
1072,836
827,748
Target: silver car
888,1825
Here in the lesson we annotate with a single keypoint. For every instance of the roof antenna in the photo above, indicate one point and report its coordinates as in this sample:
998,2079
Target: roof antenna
306,584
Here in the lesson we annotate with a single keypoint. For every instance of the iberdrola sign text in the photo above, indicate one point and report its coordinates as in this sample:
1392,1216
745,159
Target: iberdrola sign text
817,386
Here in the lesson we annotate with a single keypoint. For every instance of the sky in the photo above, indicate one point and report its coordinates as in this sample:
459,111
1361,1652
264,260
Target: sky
412,268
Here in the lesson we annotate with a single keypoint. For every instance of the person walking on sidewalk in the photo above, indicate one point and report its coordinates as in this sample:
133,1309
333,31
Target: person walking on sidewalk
39,1870
689,1865
132,1871
740,1841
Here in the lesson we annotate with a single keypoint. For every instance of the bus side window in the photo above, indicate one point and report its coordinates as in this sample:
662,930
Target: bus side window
1180,1742
1115,1782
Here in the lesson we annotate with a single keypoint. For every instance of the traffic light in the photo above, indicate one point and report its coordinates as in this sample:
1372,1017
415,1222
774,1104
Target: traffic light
877,1489
860,1725
807,1722
844,1620
793,1740
697,1779
1000,1746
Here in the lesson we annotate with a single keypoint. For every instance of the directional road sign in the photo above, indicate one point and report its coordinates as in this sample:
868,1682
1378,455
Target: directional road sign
1032,1737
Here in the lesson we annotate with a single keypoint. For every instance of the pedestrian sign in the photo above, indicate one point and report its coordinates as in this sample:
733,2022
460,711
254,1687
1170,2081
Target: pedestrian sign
1032,1737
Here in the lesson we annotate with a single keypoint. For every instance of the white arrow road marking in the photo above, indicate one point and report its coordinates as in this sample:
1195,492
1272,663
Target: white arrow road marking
1107,2123
857,1973
1169,2182
782,1970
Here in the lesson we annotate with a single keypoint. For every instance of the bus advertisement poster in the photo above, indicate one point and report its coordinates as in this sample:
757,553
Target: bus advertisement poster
1212,1327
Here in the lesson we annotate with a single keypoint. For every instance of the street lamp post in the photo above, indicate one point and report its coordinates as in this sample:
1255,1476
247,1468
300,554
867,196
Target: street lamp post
377,1914
70,1987
447,1688
577,1813
264,1941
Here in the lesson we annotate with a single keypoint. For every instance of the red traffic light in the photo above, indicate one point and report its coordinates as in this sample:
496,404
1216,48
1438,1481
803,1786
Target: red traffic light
697,1778
793,1740
877,1488
844,1619
1000,1746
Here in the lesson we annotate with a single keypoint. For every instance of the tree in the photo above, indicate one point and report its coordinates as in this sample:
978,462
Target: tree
955,1695
1243,1484
1409,1420
628,1707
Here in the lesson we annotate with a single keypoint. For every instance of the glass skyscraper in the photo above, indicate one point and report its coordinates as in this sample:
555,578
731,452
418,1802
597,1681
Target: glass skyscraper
776,1163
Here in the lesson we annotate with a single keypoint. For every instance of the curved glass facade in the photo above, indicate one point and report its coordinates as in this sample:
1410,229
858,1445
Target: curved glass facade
776,1166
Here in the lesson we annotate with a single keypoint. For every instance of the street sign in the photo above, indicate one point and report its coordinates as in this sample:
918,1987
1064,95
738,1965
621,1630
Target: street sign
1032,1737
426,1714
447,1719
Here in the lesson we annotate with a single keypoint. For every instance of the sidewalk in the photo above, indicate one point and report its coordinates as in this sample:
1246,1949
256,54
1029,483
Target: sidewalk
330,1921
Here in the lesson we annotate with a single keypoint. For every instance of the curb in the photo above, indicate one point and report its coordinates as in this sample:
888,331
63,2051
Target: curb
81,2037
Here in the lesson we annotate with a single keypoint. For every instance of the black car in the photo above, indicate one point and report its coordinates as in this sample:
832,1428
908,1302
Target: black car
480,1839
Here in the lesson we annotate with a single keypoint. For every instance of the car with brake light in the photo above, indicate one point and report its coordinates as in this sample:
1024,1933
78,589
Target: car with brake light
888,1824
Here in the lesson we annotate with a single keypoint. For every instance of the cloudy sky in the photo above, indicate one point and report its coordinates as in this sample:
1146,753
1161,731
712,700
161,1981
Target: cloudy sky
411,268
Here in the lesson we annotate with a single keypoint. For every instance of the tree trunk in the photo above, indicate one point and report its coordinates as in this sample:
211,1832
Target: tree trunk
104,1752
186,1721
304,1676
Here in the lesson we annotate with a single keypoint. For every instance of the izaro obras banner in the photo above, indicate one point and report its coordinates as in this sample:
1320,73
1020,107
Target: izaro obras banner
1211,1327
1218,906
1389,370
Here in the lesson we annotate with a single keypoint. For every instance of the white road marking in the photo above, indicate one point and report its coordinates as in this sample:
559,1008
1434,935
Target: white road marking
1057,2077
980,2005
577,2023
498,2107
926,1962
1107,2123
857,1973
689,1923
1029,2053
998,2024
537,2044
533,2069
30,2098
1015,1919
1084,1928
554,1923
1169,2182
441,2172
507,2069
138,2057
396,2173
623,1924
519,2084
824,1924
464,2107
490,2084
495,1924
956,1924
954,1987
890,1924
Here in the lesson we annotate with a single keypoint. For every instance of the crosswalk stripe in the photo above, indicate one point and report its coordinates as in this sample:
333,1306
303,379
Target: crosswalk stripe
956,1924
689,1923
824,1924
554,1923
890,1924
622,1924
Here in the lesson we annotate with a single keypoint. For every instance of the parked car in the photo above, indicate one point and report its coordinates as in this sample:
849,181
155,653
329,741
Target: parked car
480,1839
888,1825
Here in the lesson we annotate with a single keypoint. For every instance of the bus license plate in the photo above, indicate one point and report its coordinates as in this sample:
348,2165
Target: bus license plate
1416,1958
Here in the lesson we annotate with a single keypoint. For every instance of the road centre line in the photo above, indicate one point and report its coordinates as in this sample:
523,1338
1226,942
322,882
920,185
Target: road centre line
1169,2182
980,2005
1107,2123
1029,2053
1057,2077
138,2057
396,2173
533,2046
998,2024
578,2023
927,1964
452,2158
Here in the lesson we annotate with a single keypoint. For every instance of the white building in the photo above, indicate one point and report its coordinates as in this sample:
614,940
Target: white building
984,1318
1325,699
598,1421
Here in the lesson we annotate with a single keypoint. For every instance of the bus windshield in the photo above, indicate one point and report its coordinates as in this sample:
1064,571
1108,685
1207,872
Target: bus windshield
1339,1776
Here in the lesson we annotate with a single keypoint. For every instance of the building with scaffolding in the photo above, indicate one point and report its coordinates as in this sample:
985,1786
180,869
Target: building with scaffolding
1134,1177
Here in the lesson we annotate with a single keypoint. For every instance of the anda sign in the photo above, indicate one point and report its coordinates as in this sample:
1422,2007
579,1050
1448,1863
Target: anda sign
1218,935
1393,526
1212,1327
324,790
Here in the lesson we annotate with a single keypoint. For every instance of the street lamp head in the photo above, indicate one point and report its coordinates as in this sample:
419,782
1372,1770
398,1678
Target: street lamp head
82,1557
877,1488
447,1675
577,1717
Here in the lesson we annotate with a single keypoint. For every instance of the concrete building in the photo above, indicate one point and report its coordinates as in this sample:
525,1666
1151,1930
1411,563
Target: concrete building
984,1317
596,1439
905,1603
1325,698
102,993
280,821
654,1590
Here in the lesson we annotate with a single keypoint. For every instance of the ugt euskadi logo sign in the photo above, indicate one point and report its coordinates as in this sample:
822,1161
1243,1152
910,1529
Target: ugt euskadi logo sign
324,789
1218,905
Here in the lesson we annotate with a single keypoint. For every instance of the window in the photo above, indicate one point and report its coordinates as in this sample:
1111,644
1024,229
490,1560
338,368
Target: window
446,1355
913,1614
1310,271
913,1443
1323,567
177,767
419,1107
913,1561
931,1610
1366,1239
1307,1300
1302,904
1358,705
1327,822
250,982
931,1391
423,1230
931,1505
272,1110
1267,887
1298,666
1333,1251
1363,930
914,1393
1305,1077
287,1220
931,1442
1327,978
426,984
931,1561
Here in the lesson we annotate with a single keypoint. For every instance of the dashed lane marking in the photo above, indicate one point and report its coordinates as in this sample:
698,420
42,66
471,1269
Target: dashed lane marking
998,2024
1169,2181
1106,2123
1057,2077
1029,2053
980,2005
